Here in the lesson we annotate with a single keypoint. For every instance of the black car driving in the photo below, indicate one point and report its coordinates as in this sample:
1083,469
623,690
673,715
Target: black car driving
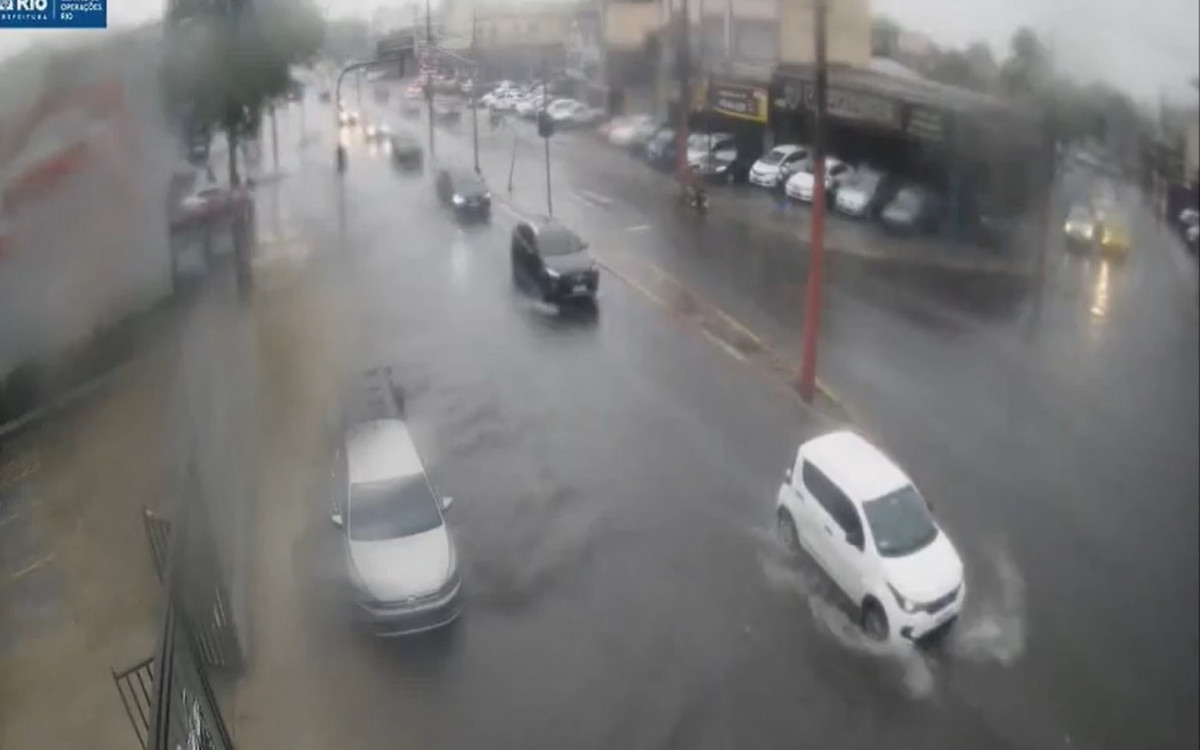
406,151
553,262
465,191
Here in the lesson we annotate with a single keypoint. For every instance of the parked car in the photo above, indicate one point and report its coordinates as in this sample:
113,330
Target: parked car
864,194
407,152
447,110
568,113
528,107
777,164
660,149
465,192
913,210
553,262
861,519
700,145
624,130
401,558
800,185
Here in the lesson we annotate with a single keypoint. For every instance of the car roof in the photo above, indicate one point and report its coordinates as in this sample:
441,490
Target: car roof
381,450
788,148
550,230
860,469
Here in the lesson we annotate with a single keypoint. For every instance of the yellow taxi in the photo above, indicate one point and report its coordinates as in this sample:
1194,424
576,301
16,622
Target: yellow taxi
1113,234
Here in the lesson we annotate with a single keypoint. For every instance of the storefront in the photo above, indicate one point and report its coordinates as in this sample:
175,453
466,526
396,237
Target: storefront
972,148
741,109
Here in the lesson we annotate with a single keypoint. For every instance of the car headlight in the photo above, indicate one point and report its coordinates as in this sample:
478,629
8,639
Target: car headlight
457,199
906,605
720,168
552,273
487,196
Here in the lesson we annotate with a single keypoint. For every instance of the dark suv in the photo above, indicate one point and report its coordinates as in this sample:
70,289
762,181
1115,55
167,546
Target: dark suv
465,192
553,262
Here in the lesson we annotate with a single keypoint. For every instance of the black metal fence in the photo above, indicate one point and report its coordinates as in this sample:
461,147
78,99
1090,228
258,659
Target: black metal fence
168,697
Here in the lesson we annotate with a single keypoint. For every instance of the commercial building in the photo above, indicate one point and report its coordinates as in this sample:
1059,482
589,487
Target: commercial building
753,75
511,39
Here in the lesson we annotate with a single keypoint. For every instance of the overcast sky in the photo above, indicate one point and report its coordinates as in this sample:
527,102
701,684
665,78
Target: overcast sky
1143,46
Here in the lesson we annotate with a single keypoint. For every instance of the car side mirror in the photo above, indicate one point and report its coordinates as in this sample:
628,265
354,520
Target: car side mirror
854,537
337,520
447,502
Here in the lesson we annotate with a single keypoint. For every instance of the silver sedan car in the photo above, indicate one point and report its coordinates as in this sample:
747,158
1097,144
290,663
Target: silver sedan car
400,556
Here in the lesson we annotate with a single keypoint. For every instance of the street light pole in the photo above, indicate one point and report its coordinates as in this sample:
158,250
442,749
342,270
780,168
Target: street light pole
546,138
427,75
683,61
475,84
812,302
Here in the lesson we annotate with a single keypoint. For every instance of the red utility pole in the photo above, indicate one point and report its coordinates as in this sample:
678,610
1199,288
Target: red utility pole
683,62
812,303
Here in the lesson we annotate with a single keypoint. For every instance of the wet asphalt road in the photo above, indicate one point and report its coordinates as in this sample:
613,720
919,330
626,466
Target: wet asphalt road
614,479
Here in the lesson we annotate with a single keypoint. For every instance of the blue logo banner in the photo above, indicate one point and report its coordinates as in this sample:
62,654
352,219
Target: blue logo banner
53,14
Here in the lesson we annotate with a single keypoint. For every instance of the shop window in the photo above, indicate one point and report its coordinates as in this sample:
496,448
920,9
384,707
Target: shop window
755,41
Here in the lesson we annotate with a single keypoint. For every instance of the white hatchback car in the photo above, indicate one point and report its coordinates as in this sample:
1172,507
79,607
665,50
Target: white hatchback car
800,185
861,519
776,164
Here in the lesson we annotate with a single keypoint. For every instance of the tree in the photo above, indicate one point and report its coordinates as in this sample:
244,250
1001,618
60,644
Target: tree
1028,71
885,37
226,60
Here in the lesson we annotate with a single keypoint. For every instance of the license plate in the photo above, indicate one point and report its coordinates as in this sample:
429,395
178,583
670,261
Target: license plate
580,289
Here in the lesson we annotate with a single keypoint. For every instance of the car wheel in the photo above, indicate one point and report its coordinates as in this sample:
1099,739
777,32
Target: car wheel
785,528
874,621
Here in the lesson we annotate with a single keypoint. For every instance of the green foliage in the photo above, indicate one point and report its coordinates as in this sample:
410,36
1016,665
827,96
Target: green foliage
226,60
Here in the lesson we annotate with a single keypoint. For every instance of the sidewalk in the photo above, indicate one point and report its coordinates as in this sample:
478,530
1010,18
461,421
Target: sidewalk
78,595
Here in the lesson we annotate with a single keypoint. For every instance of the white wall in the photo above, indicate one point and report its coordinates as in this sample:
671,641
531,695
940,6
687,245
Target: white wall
93,248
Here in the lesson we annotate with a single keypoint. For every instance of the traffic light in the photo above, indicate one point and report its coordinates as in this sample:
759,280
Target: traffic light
545,125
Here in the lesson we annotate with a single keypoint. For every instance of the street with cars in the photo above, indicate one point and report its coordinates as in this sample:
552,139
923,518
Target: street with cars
658,546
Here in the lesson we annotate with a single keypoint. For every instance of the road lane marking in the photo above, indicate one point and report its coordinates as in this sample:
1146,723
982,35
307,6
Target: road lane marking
639,228
722,344
511,212
596,198
30,568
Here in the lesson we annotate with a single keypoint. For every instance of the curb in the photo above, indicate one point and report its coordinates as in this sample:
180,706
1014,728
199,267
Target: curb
67,400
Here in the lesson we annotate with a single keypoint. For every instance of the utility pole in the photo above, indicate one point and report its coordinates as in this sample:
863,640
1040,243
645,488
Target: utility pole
812,303
428,74
474,99
546,138
683,62
274,140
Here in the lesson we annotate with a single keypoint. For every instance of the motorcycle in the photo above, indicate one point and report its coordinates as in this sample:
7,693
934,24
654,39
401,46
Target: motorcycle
696,198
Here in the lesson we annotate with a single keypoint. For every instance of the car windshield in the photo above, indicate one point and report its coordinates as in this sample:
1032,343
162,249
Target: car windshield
1079,214
900,522
554,241
665,136
775,156
865,182
392,509
908,199
468,182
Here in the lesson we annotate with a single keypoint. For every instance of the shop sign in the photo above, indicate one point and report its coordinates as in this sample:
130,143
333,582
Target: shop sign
926,123
844,104
742,102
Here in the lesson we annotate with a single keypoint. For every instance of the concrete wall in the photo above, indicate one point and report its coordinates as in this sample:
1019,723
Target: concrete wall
87,236
849,39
